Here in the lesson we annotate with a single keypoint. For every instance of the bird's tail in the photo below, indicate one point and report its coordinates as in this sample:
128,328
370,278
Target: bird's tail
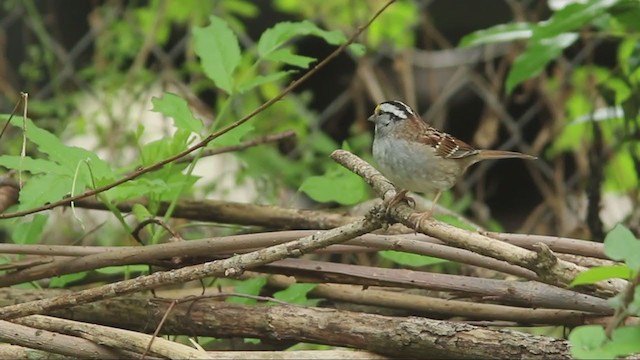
500,154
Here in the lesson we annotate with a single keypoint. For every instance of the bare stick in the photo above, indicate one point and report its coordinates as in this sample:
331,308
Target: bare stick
114,338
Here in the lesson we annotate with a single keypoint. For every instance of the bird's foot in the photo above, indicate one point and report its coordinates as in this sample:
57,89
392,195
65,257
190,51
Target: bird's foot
400,196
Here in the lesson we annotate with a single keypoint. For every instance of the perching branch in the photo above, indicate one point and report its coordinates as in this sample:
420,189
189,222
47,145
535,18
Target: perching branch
549,268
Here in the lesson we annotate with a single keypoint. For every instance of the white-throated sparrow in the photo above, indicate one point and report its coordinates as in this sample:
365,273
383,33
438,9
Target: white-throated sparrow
417,157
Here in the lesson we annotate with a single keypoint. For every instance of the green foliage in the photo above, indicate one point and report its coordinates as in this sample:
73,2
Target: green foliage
67,170
590,341
249,287
409,259
621,245
297,294
175,107
219,52
337,184
599,273
394,29
546,39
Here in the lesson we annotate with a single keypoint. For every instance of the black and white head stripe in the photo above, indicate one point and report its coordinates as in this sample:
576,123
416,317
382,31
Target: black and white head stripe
396,108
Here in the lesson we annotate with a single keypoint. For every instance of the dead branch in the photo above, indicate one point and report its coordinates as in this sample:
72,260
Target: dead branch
233,266
386,335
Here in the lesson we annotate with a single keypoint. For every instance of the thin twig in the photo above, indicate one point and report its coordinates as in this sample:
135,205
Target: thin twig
243,145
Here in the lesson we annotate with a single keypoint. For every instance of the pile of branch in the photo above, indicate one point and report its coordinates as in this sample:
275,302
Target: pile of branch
366,308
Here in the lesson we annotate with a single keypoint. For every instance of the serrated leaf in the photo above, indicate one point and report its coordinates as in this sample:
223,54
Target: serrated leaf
297,294
620,244
175,107
250,287
262,79
595,274
71,158
42,189
409,259
498,33
29,164
537,55
572,17
219,52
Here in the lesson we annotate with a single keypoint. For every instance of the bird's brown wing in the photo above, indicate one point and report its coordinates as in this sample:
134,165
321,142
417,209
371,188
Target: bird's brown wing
446,145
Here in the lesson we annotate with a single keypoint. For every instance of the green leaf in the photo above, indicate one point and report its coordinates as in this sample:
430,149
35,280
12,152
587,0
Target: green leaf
620,244
29,230
409,259
337,184
63,280
70,158
34,166
288,57
42,189
590,342
141,212
258,80
233,136
276,36
498,33
175,107
531,62
595,274
357,49
586,342
219,51
572,17
621,170
297,294
120,269
250,287
457,222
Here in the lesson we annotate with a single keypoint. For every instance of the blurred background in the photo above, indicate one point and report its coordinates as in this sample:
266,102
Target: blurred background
91,69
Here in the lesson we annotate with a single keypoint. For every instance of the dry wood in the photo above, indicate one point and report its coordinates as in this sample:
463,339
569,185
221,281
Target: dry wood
387,335
113,338
54,342
233,266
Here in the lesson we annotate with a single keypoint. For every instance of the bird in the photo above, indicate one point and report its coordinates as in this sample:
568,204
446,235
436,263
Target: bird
417,157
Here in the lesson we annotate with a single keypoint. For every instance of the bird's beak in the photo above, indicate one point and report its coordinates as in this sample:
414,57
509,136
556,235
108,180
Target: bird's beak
372,118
